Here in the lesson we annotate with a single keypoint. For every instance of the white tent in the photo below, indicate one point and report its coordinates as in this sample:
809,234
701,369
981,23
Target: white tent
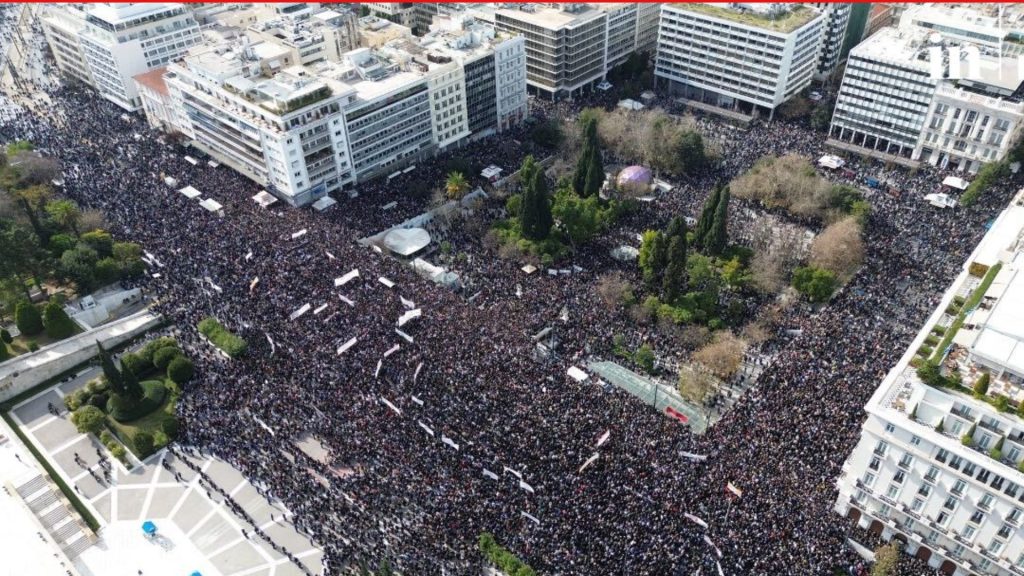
604,86
630,104
324,203
211,205
492,173
831,162
529,268
955,182
190,192
264,198
407,241
647,96
576,374
191,160
940,200
212,164
170,181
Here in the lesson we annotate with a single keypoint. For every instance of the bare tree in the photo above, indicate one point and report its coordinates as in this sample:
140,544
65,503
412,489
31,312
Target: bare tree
612,289
839,248
92,220
696,385
723,356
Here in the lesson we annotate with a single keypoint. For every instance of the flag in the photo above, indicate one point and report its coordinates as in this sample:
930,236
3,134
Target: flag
720,573
347,301
517,474
407,303
589,461
732,488
248,256
712,544
346,346
526,486
695,520
449,441
417,400
390,405
490,474
404,335
425,427
379,364
604,438
329,255
416,375
254,282
531,517
392,350
302,310
320,309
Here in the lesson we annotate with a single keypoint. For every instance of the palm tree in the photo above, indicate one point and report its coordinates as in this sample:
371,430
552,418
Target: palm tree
64,213
456,185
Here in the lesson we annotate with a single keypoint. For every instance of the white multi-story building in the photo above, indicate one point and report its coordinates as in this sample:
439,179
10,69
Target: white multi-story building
940,468
837,18
325,35
747,56
571,47
307,131
116,42
900,97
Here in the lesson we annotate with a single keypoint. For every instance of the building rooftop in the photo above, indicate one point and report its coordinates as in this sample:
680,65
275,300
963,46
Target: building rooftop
903,46
551,18
118,13
775,17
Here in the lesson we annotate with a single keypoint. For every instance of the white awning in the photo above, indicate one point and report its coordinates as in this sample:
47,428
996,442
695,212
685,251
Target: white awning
211,205
264,198
577,374
831,162
191,160
190,192
212,164
955,182
491,172
324,203
940,200
407,241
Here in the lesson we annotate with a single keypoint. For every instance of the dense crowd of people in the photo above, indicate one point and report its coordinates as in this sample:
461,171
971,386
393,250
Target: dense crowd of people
458,431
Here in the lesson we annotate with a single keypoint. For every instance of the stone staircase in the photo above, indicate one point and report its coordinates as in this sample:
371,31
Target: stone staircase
63,526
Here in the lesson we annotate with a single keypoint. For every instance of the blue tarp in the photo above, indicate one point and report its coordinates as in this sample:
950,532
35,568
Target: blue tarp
148,527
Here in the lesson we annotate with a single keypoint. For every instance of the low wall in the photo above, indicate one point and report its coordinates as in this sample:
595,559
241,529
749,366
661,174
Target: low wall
23,372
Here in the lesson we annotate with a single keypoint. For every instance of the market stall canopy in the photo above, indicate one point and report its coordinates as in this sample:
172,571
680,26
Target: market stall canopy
955,182
831,162
264,198
190,192
211,205
324,203
407,241
940,200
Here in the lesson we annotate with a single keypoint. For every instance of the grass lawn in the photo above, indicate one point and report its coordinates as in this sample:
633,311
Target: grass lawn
152,422
20,344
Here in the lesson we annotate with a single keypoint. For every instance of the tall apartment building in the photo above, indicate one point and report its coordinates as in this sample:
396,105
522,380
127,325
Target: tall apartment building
304,131
837,18
571,47
323,35
116,42
939,466
749,56
897,96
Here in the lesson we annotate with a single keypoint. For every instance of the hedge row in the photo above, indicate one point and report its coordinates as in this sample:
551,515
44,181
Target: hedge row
220,337
501,558
970,304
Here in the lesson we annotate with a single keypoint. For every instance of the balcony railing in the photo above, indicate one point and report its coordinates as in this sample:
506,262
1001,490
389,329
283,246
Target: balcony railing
991,426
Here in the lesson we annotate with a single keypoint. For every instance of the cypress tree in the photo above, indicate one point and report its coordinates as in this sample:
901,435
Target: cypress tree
110,371
132,387
658,259
542,203
676,227
27,318
585,160
58,324
595,173
707,217
4,352
674,283
717,238
528,212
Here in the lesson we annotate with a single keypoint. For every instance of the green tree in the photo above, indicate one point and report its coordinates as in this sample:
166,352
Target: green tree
674,283
88,419
180,370
981,385
20,255
581,218
4,352
111,372
535,216
456,185
143,444
61,243
106,271
653,256
57,323
717,237
887,559
162,357
589,174
707,217
64,213
595,173
132,388
644,357
28,319
99,240
689,152
79,265
814,283
129,259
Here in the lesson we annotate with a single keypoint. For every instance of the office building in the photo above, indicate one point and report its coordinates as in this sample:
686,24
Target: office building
939,465
106,45
307,130
837,18
902,96
571,47
749,57
324,35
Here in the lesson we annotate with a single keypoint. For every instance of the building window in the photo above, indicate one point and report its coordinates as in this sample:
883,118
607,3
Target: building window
892,491
916,441
932,474
995,547
1014,516
986,501
942,455
950,503
917,505
899,477
1004,531
969,532
889,428
905,461
925,490
875,464
970,468
977,518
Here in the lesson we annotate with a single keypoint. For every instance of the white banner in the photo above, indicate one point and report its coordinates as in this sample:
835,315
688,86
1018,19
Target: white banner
490,474
392,350
604,438
712,544
695,520
449,441
347,301
253,284
377,372
409,316
248,256
407,303
404,335
416,375
263,425
417,400
386,282
329,255
390,405
425,427
531,517
302,310
342,280
589,461
320,309
346,346
692,456
526,486
732,488
272,347
299,234
720,573
517,474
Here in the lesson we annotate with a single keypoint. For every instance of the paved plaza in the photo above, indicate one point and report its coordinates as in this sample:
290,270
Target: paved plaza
197,531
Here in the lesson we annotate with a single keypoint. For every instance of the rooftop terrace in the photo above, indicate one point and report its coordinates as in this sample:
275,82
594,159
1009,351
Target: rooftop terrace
786,20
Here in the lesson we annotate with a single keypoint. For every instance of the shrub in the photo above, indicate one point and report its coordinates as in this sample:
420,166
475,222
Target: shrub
4,352
33,346
981,385
98,400
118,452
106,437
939,330
160,439
501,557
56,321
966,440
977,269
180,370
147,351
931,340
959,301
61,243
925,350
644,357
142,444
939,427
815,284
220,337
125,410
88,419
162,357
6,336
137,364
27,319
1002,403
170,427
